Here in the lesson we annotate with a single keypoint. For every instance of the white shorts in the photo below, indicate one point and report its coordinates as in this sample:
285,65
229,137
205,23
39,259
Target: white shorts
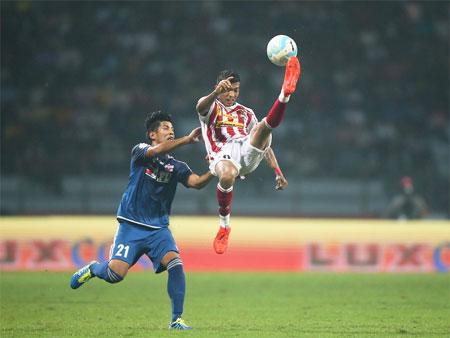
241,153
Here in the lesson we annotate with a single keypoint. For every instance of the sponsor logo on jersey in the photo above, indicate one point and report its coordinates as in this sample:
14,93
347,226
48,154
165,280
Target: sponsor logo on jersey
229,119
169,167
157,172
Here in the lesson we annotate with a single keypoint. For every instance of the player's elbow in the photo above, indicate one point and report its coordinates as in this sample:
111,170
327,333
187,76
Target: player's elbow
193,182
197,185
198,182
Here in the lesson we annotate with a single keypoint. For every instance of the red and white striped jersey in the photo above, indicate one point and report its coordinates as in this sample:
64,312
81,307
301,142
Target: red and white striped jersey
222,124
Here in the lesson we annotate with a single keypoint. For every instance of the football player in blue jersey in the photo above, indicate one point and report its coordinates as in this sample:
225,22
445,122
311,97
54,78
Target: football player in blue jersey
144,210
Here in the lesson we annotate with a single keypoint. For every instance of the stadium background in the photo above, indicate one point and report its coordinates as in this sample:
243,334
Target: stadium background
77,79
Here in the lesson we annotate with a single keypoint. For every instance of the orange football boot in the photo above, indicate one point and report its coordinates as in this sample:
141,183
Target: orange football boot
221,240
291,75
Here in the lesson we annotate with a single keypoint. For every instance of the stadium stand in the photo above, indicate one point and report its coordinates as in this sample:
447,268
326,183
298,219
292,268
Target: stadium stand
77,80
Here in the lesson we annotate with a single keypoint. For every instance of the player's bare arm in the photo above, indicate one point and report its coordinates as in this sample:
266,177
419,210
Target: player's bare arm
171,144
199,181
205,102
280,181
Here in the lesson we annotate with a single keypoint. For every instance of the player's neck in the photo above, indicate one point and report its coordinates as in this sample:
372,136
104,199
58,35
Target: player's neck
228,107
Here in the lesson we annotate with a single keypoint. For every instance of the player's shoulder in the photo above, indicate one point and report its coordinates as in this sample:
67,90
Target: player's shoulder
178,163
140,146
140,150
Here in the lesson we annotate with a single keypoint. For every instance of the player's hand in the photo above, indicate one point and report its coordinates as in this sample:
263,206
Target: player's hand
194,136
280,182
224,86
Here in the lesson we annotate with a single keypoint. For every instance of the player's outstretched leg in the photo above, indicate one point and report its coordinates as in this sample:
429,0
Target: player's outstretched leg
82,276
276,113
95,269
291,75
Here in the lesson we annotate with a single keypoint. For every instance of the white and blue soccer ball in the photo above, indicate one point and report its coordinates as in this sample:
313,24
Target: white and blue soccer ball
280,48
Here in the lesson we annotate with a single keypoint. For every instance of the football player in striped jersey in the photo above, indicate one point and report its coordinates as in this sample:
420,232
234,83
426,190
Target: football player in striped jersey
236,142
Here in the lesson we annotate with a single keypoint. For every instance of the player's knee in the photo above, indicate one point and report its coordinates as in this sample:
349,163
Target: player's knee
227,182
116,271
175,265
227,177
112,276
171,255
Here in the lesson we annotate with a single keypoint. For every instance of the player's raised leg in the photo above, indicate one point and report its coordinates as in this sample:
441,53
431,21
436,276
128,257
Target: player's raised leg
123,255
291,75
260,134
112,272
227,173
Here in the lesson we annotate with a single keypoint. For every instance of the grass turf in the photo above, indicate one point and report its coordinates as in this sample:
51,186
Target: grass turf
228,305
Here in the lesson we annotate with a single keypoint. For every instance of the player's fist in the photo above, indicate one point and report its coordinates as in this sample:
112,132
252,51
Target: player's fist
280,182
194,136
224,86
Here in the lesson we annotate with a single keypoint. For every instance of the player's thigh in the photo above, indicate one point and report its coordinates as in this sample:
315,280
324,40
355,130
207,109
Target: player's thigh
159,245
251,156
128,245
229,154
261,136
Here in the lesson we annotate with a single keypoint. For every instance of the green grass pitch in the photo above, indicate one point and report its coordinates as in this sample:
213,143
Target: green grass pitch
42,304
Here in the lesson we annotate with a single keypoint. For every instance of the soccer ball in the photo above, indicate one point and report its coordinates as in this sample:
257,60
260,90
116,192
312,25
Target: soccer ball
280,48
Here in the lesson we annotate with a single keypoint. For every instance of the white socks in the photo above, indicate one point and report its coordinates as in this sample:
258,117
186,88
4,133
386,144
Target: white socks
282,98
224,190
224,221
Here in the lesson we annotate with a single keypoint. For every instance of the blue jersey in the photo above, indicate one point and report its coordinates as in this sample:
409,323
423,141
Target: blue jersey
153,181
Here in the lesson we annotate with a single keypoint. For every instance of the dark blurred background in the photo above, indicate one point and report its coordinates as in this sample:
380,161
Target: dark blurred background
77,79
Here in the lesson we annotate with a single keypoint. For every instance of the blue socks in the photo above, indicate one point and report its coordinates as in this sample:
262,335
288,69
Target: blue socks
176,282
176,286
103,271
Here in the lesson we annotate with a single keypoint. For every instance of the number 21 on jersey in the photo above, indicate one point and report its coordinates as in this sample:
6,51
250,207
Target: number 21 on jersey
122,250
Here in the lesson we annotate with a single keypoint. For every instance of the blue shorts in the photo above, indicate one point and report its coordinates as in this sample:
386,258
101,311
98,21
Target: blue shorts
132,241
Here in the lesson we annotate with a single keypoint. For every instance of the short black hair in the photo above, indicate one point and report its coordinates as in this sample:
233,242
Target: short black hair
154,119
225,74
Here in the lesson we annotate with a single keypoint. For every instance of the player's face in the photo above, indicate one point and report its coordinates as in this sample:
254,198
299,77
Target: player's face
230,97
164,133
